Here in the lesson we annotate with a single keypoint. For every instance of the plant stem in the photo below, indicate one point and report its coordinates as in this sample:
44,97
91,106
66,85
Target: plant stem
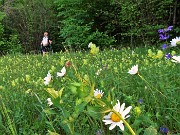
150,85
124,121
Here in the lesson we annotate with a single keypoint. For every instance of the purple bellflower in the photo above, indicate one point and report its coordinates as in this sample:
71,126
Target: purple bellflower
163,36
164,130
168,56
163,33
160,31
169,28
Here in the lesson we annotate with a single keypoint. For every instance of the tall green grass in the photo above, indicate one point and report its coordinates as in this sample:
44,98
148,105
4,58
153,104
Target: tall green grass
24,108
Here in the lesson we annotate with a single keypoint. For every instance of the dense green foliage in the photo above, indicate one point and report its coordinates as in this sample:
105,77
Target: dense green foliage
23,94
125,21
75,23
55,94
79,25
28,19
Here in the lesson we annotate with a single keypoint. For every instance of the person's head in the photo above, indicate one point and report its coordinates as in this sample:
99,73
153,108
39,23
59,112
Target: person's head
45,33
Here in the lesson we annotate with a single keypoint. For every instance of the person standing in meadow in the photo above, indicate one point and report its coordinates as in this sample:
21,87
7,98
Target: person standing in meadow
46,43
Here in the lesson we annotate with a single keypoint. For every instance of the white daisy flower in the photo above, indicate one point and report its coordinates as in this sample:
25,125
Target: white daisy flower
133,70
62,73
98,93
98,72
47,79
49,102
89,45
175,59
113,119
174,41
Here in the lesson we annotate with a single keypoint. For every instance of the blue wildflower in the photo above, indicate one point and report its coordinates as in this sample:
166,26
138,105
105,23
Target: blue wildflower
169,28
164,46
163,37
160,31
164,130
168,56
163,33
140,101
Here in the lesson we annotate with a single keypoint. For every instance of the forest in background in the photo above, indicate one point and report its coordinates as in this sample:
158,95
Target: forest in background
75,23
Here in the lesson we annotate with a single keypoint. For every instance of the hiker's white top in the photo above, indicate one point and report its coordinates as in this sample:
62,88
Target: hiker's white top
45,41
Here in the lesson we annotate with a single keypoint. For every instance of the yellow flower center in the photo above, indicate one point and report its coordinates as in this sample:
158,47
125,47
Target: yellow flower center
98,95
115,118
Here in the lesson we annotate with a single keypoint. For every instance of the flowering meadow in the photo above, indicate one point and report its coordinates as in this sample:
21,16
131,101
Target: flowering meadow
100,92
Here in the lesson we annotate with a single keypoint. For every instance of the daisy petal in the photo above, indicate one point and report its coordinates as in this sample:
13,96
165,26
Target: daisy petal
117,106
113,125
126,111
108,116
62,73
122,108
107,122
121,126
127,116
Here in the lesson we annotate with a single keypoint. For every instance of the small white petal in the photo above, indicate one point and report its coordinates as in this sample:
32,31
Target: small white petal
108,116
49,102
46,83
121,126
176,59
127,116
126,111
113,125
89,45
63,70
62,73
107,122
117,106
122,108
47,79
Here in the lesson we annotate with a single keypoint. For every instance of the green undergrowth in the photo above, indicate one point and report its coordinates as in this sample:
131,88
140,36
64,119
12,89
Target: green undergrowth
23,96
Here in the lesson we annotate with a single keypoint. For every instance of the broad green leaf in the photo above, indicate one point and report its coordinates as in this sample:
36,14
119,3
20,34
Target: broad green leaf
150,131
79,108
73,89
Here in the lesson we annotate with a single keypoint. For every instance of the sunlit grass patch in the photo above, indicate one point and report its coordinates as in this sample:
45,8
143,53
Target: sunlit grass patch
26,90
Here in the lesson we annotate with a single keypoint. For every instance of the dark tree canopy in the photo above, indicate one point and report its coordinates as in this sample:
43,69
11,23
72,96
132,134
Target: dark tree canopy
75,23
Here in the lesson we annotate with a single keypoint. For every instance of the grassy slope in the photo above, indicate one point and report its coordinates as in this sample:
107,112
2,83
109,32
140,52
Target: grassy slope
22,89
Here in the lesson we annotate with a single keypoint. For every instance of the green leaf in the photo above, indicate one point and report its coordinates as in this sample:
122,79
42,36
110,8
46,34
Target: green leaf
150,131
68,125
76,84
52,133
73,89
97,112
100,102
0,120
54,93
49,112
